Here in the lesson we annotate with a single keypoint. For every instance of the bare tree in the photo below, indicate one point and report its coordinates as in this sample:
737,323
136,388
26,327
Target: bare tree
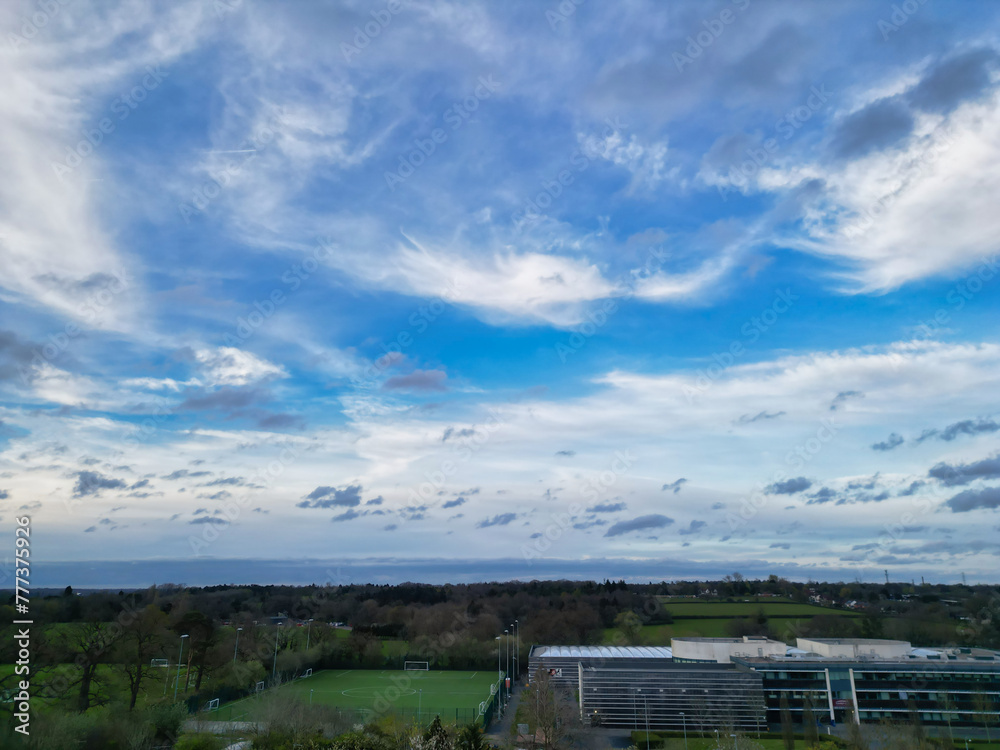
550,711
984,706
142,639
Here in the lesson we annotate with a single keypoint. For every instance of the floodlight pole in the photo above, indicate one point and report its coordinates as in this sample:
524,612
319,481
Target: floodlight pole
685,730
517,652
308,633
506,644
180,658
499,678
237,646
274,665
645,710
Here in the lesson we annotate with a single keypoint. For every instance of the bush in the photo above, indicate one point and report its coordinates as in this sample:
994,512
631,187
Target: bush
201,741
166,720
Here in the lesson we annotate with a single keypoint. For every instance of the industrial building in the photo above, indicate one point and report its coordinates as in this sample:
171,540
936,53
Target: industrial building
739,682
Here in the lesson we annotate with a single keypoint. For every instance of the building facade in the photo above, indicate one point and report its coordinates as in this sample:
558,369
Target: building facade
740,683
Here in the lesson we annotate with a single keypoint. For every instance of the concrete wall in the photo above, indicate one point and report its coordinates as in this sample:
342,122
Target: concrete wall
722,650
855,648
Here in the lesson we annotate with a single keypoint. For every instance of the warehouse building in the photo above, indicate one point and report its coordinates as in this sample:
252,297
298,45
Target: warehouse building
739,683
869,681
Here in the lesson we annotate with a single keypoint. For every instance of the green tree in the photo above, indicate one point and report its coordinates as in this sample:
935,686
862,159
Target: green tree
436,737
142,639
201,636
984,706
809,722
630,626
855,736
471,737
787,728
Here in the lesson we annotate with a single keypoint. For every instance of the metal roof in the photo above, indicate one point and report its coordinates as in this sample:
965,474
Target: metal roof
604,652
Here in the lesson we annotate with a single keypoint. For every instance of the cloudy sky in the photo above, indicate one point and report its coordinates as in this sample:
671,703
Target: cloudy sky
493,289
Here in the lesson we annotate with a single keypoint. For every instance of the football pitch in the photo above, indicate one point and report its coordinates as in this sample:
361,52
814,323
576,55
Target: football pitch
372,692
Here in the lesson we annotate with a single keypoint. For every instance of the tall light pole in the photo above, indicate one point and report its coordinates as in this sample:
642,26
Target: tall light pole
420,698
237,646
517,650
506,648
180,658
274,665
499,678
685,730
308,632
645,711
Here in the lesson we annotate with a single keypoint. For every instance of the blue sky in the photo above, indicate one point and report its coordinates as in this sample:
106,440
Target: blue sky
459,288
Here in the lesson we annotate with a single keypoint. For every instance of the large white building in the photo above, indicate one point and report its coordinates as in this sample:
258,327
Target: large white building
722,650
855,648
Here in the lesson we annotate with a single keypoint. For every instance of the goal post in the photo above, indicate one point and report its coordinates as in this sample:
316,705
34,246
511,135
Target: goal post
259,687
159,663
212,705
416,666
307,673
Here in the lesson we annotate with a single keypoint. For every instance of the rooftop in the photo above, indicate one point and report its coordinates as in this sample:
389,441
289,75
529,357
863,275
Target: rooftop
604,652
857,641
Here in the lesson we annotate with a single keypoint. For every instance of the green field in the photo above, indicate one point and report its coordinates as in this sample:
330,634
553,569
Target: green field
701,609
452,695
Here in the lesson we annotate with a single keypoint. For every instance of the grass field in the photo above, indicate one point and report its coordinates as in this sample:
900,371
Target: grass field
444,693
694,608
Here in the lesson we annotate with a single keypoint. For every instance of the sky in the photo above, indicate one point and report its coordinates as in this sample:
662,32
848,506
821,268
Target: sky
463,290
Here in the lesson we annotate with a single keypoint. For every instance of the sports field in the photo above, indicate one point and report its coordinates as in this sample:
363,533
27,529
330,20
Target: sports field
452,695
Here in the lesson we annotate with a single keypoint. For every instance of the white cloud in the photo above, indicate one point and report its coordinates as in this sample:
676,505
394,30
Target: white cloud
906,213
505,285
227,365
646,162
54,87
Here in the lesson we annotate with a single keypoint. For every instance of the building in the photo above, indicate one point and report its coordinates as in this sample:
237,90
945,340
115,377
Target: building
563,662
684,696
869,681
638,686
739,682
722,650
854,648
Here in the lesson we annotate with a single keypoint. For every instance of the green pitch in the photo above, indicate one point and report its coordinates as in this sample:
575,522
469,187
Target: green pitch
445,693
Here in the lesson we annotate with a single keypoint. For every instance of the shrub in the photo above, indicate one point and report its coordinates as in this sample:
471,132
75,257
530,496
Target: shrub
200,741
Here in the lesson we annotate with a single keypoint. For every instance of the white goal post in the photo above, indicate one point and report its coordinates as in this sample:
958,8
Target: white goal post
307,673
159,662
259,687
417,666
213,705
